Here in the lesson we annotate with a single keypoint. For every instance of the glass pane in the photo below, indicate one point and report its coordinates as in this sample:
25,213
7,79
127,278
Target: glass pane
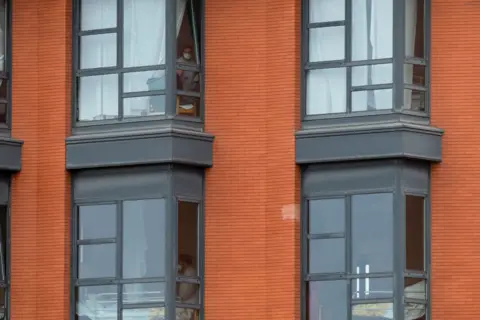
144,106
326,255
98,97
157,313
144,81
3,34
3,89
372,229
326,91
98,51
144,293
415,100
97,222
3,112
144,33
415,233
373,311
372,29
3,245
188,106
327,300
187,239
372,100
188,293
187,314
414,74
326,10
326,216
415,289
186,44
372,74
372,288
96,261
144,238
98,14
3,303
326,44
94,302
414,28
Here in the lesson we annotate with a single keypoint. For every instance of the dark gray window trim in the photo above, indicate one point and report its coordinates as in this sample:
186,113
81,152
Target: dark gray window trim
398,63
404,183
7,74
172,190
170,65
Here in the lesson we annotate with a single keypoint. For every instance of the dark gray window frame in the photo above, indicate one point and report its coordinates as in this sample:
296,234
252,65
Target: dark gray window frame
398,60
170,92
399,177
7,74
5,200
174,183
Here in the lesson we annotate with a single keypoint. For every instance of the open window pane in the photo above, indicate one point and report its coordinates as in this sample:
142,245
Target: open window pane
98,14
372,29
144,241
326,256
372,233
326,216
415,233
327,300
414,28
96,222
144,33
95,302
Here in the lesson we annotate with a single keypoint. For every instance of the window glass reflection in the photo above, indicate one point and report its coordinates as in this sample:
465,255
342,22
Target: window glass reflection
96,302
372,288
96,222
98,14
372,233
327,300
327,91
326,216
326,10
96,261
149,293
144,238
326,255
373,311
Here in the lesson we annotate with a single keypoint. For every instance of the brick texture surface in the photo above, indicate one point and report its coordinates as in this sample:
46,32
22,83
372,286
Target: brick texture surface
252,192
40,193
454,191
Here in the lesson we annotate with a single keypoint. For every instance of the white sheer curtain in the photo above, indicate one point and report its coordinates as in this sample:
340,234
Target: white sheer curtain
372,38
144,45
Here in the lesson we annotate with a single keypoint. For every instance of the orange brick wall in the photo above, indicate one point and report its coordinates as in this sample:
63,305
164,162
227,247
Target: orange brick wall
40,193
252,192
455,182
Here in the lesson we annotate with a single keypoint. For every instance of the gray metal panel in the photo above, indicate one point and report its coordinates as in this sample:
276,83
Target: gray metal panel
415,176
188,182
379,141
5,188
10,154
139,147
121,183
348,177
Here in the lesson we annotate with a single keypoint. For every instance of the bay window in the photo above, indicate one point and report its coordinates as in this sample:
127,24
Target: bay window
4,62
365,56
137,59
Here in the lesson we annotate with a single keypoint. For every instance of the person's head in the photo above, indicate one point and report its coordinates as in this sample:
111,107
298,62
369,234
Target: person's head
187,53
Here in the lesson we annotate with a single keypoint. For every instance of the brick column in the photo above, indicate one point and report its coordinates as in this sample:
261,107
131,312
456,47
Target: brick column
40,192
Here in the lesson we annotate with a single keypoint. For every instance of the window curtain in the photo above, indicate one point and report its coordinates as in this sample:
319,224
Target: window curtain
144,45
372,38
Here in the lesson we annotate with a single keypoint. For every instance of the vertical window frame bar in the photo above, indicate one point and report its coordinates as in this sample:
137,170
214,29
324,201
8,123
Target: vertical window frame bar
120,37
427,48
304,58
348,54
170,58
119,255
348,249
8,64
398,50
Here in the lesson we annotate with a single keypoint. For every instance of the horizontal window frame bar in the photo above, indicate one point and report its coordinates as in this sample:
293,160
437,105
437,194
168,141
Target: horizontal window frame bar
115,281
94,32
188,306
415,301
416,61
415,274
325,236
142,305
345,64
326,24
114,70
180,279
356,302
414,87
343,276
140,94
372,87
187,67
88,242
188,94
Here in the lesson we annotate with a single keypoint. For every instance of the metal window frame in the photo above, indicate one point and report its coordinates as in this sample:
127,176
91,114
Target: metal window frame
6,283
6,75
398,61
170,92
401,187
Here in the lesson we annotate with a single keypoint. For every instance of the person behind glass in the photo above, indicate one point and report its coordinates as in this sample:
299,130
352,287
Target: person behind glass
186,292
187,80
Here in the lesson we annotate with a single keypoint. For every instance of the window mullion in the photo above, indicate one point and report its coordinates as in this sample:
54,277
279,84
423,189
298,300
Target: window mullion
120,56
348,51
170,55
119,258
348,244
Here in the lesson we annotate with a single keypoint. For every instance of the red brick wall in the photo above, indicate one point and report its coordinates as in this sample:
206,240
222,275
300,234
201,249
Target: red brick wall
455,192
40,193
252,192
